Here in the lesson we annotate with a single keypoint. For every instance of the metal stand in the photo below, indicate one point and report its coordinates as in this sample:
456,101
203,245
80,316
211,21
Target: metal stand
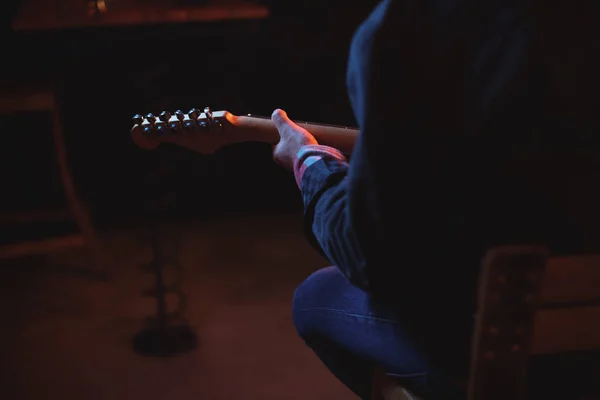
165,334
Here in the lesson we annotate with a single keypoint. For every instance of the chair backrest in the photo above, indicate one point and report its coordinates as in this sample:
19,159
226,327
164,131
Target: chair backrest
530,304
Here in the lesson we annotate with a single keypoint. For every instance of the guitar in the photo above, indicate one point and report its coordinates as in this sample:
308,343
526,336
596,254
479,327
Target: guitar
206,132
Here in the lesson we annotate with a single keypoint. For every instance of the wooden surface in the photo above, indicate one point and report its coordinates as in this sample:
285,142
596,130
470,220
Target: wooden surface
35,216
70,14
509,282
569,306
25,99
530,305
43,246
566,329
263,130
12,100
571,279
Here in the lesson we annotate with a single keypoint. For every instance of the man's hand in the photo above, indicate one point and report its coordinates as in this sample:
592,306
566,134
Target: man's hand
292,139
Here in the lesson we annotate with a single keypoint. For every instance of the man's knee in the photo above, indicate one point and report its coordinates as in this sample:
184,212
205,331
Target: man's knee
311,295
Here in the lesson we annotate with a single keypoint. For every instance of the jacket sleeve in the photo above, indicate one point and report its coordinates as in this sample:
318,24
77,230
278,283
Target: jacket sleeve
342,211
322,175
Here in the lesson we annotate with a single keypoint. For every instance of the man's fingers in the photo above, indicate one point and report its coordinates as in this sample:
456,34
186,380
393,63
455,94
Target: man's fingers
277,154
280,118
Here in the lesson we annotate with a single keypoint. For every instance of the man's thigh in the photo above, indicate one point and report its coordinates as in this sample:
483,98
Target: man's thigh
327,307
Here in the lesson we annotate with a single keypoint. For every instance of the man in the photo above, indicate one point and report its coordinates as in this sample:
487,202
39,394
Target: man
445,93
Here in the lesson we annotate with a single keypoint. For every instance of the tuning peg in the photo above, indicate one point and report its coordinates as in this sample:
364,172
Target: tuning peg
147,128
208,113
165,116
176,123
161,127
189,120
151,118
137,119
194,114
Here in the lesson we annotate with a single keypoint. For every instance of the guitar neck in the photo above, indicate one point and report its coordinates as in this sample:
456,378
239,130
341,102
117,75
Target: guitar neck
206,132
262,129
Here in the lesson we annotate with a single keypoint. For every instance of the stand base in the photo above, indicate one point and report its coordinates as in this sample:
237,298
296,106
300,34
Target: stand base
165,341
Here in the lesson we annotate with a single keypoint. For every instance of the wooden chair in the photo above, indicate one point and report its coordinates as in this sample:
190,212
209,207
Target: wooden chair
529,304
44,99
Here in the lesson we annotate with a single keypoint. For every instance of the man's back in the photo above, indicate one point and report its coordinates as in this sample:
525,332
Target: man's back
470,114
462,107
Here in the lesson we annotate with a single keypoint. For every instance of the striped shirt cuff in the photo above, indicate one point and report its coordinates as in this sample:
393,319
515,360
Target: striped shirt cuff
309,155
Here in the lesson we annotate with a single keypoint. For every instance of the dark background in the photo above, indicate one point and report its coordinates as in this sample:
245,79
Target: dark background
295,60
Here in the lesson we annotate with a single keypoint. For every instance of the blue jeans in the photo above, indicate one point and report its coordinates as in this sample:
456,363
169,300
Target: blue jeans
350,335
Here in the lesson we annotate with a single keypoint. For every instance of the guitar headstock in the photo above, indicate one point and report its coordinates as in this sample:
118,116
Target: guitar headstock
203,132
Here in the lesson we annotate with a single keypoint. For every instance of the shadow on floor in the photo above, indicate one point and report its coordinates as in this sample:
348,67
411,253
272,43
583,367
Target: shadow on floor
66,335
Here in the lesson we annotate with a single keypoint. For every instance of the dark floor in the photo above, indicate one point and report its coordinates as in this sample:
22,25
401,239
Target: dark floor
67,336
